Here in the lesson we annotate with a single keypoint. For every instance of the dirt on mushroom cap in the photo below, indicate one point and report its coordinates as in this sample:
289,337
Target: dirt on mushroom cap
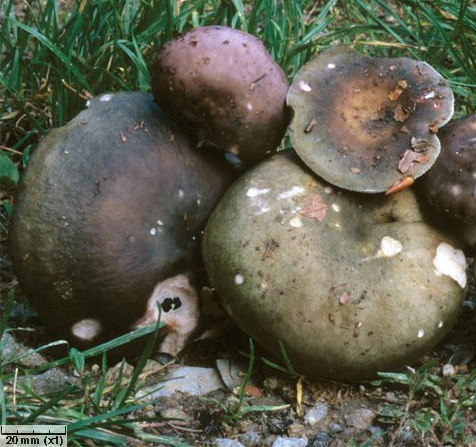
373,119
339,278
224,86
110,204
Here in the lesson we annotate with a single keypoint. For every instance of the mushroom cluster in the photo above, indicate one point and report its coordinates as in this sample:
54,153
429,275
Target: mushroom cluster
348,283
108,222
107,225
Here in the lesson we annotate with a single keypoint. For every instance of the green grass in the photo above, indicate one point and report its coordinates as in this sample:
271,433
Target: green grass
436,407
96,408
54,57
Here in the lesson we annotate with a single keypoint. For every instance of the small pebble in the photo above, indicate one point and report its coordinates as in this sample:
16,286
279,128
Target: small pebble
392,397
271,383
335,427
250,439
278,426
321,439
360,418
224,442
406,434
448,370
316,414
374,430
290,442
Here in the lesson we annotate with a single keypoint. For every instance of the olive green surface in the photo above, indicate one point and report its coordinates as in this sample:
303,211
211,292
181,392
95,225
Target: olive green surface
109,205
297,261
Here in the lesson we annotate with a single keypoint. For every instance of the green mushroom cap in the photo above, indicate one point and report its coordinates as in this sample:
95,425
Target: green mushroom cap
350,284
363,123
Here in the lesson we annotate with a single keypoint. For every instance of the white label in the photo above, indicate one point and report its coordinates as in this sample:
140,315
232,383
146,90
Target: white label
20,435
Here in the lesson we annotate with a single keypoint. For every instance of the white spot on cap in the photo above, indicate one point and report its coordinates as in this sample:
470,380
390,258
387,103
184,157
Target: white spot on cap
335,207
257,201
304,86
389,247
421,333
105,98
451,262
456,190
239,279
430,95
294,191
86,329
296,222
331,66
254,192
153,231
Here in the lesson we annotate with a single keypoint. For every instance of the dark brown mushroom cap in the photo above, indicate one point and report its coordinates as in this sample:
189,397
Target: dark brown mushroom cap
363,123
225,87
450,185
110,205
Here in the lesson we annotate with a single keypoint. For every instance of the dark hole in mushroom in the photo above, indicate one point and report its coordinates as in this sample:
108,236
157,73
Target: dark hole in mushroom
171,304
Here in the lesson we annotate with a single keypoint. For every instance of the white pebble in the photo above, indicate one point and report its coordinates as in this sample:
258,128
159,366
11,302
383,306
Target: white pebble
86,329
448,370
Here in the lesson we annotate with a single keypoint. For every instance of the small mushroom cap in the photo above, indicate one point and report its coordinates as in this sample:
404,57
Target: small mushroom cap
111,205
225,87
351,284
450,185
363,123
